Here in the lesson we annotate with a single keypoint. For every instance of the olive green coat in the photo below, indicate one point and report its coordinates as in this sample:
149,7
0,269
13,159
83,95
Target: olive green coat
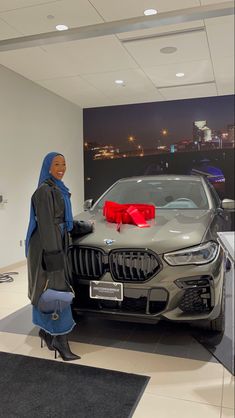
48,264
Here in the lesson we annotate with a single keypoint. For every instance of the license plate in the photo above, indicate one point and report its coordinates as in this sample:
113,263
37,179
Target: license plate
106,290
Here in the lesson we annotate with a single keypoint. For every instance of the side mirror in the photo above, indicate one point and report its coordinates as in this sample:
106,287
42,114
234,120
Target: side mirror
228,204
88,204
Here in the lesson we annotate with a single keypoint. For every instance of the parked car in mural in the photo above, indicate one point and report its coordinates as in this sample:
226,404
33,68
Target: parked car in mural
214,174
172,270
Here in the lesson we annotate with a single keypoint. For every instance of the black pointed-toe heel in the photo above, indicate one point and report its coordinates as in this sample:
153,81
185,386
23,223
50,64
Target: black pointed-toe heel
47,338
60,344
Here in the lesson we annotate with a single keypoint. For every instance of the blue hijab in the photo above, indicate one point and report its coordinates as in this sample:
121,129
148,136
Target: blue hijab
45,175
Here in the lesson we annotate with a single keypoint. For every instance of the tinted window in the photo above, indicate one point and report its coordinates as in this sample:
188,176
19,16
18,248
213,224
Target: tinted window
167,194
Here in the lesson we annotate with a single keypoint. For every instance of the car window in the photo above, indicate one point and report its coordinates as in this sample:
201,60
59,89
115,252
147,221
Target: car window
167,194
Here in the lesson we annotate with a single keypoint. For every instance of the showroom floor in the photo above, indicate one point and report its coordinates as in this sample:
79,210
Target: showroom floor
186,381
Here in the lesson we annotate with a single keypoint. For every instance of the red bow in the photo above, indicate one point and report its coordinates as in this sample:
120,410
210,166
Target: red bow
129,213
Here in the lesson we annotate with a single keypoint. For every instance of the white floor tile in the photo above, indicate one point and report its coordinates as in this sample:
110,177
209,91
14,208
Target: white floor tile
9,342
228,390
152,406
13,300
187,379
31,346
170,376
5,312
227,413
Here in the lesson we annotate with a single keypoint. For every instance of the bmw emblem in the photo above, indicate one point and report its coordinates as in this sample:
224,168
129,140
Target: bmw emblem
109,241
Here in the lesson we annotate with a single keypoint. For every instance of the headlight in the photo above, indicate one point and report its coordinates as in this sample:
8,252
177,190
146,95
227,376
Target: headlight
201,254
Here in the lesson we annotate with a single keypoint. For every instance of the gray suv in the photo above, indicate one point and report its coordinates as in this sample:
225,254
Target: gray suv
172,270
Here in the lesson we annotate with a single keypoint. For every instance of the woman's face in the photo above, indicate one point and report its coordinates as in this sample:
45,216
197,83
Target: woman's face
58,167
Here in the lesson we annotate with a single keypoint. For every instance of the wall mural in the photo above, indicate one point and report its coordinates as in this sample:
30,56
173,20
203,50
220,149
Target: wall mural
175,137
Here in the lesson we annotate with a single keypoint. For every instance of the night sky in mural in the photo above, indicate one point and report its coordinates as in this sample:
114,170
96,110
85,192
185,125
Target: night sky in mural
113,125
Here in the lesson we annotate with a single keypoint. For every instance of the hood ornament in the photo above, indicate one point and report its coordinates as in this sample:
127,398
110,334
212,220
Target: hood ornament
109,241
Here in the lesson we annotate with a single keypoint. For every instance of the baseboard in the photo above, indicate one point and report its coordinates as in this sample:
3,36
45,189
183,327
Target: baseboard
13,267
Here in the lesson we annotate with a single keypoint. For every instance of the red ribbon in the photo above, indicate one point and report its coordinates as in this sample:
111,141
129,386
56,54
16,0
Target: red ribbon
129,213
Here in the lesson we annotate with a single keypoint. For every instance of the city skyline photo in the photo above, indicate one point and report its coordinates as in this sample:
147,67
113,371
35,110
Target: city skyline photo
193,136
150,125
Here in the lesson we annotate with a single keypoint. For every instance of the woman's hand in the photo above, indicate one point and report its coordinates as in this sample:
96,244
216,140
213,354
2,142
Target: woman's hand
81,228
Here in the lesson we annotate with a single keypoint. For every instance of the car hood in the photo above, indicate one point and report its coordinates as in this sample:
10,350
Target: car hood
170,230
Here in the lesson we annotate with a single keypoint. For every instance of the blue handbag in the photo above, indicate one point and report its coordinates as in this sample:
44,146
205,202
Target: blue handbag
54,302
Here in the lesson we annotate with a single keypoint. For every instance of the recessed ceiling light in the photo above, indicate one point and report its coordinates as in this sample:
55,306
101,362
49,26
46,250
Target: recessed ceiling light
168,50
150,12
179,74
119,81
61,27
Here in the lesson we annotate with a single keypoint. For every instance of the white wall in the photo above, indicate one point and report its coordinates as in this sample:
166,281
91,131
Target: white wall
33,122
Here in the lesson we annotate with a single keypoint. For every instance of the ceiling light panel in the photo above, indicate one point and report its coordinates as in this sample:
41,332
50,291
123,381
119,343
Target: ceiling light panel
135,99
7,5
115,10
224,75
36,64
138,88
85,94
136,83
220,33
7,31
194,72
77,90
33,20
188,92
190,47
94,55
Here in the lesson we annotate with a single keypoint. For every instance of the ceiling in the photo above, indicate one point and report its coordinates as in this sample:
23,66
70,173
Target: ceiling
84,70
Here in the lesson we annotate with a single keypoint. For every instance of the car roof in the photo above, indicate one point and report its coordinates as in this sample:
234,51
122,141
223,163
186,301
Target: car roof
196,178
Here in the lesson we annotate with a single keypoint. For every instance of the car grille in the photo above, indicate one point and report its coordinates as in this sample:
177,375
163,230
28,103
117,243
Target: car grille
124,265
131,265
87,262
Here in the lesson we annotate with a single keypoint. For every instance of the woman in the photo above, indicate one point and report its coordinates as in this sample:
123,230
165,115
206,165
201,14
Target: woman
46,250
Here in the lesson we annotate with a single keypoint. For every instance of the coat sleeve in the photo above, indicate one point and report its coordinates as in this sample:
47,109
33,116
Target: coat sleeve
50,237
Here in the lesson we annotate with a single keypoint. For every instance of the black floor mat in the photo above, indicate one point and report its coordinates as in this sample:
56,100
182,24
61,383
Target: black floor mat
32,387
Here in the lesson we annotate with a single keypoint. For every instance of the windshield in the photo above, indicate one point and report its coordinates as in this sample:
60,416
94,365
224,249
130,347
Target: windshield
167,193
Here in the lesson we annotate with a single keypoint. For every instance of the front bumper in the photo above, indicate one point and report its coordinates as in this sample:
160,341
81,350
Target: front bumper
179,293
